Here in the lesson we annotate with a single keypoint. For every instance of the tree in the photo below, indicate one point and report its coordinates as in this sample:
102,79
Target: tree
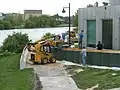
90,5
15,42
48,35
75,20
29,24
1,26
20,19
56,16
7,25
43,21
15,19
10,19
52,22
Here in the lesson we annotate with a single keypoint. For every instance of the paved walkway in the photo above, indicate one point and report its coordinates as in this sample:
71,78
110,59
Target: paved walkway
54,77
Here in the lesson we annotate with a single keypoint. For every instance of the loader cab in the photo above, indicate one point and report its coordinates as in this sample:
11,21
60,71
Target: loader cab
47,48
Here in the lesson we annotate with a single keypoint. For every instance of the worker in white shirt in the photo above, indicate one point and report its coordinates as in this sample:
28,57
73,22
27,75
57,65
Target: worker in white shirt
84,56
66,38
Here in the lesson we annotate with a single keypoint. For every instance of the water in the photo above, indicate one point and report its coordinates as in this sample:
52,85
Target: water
34,34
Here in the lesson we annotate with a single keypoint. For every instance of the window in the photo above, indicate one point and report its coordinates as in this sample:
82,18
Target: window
47,48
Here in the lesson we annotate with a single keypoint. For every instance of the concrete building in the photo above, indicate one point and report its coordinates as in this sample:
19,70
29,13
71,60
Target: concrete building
101,24
2,16
28,13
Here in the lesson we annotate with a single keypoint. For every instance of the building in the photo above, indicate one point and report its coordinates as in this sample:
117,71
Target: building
2,16
28,13
101,24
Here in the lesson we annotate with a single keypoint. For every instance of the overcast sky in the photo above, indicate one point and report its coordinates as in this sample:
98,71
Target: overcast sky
48,6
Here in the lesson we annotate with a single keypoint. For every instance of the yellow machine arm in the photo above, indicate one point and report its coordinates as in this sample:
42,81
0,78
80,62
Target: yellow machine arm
39,41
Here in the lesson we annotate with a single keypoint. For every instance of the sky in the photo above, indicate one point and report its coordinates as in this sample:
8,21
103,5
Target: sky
50,7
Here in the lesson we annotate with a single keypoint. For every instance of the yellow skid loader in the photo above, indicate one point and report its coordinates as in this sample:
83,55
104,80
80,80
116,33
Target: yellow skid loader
42,52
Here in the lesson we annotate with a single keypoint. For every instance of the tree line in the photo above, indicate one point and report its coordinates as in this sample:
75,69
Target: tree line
41,21
11,21
17,21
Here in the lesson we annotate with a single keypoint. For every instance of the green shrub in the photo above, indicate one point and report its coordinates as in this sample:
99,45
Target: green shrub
6,53
48,35
15,42
1,26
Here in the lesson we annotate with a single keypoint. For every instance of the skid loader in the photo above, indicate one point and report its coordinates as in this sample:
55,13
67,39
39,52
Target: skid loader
42,52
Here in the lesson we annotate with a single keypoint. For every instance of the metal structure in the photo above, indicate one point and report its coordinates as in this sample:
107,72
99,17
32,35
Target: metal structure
63,11
114,2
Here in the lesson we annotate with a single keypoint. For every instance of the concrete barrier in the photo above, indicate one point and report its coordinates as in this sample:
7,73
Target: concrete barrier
110,58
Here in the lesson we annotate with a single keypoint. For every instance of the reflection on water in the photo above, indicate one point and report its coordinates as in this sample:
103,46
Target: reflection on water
34,34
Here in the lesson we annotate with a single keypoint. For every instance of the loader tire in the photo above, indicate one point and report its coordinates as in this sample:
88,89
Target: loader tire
35,62
44,61
53,60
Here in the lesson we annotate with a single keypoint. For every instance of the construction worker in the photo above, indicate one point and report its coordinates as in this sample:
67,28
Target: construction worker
63,36
81,35
59,36
66,37
84,56
54,37
99,46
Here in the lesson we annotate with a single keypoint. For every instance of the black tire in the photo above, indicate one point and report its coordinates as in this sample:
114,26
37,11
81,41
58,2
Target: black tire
44,61
53,60
35,62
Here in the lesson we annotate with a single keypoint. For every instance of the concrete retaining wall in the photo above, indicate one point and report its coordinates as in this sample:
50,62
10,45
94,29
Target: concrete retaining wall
100,58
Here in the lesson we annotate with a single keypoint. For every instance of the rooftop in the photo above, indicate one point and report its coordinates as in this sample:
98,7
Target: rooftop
32,11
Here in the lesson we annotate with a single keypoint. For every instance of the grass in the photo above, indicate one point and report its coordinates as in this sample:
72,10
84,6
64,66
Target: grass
11,78
91,77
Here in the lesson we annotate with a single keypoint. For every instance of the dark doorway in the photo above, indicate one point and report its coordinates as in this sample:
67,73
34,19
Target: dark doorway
107,28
